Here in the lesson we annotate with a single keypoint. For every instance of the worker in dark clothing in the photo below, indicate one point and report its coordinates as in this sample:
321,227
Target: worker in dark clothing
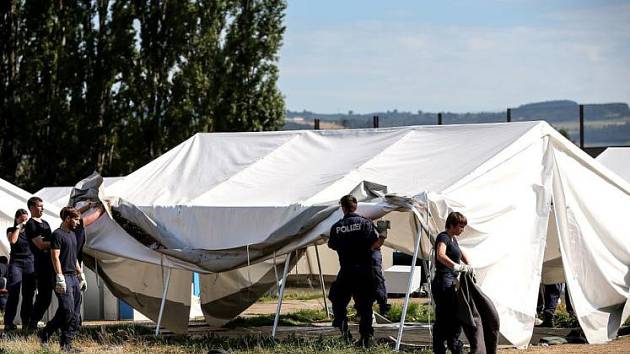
68,275
447,266
550,296
353,237
4,269
38,232
377,268
21,273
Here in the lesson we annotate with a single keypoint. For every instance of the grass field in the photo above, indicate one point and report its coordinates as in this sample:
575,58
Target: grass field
138,338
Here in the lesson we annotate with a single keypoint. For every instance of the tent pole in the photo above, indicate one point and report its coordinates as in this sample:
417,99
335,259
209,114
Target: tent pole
159,321
409,285
284,282
275,272
321,281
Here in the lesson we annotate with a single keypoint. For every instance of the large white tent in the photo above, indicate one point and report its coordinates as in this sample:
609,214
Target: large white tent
235,206
617,159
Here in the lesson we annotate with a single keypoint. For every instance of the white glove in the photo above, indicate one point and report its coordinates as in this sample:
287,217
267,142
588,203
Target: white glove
82,282
463,268
60,284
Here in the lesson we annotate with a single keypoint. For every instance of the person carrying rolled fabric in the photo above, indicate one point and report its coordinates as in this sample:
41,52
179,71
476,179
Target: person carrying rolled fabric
448,258
21,273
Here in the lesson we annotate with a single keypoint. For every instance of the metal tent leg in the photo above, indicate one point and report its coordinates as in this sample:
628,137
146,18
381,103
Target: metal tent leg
321,281
166,285
409,285
284,282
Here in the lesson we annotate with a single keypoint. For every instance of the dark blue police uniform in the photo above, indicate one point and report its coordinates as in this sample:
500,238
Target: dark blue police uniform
352,237
44,273
446,327
67,316
21,276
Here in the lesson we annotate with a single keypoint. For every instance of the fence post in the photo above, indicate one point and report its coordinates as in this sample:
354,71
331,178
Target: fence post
375,121
582,126
316,125
509,115
439,118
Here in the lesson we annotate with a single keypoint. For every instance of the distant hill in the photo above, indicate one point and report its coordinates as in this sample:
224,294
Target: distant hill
606,124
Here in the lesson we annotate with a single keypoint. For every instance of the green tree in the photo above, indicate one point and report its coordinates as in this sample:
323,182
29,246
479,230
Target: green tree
249,99
109,85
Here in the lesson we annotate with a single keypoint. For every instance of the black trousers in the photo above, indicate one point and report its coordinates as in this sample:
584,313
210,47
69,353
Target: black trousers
550,296
45,289
356,283
21,278
379,283
67,316
446,327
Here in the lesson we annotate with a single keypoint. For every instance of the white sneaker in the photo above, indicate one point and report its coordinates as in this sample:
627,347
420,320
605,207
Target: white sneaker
537,321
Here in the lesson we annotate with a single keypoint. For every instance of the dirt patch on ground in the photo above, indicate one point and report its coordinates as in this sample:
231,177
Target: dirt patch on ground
620,345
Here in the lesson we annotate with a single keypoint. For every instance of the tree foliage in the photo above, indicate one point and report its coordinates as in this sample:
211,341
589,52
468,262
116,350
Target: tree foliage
109,85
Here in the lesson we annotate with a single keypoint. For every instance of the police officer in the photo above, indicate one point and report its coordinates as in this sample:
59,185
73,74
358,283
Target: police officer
353,237
68,279
38,233
21,277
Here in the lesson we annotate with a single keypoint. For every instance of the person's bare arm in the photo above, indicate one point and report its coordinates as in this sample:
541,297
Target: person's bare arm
54,256
442,257
13,236
40,243
378,243
87,220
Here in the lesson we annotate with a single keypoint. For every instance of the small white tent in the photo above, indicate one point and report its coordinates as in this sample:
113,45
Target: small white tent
232,206
13,198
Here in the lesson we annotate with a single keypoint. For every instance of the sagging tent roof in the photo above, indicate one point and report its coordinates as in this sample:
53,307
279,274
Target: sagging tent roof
617,159
13,198
59,195
223,204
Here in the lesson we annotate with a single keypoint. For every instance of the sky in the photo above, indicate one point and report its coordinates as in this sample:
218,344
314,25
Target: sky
452,55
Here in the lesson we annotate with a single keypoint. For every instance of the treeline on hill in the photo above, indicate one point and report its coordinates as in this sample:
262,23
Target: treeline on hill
108,85
607,124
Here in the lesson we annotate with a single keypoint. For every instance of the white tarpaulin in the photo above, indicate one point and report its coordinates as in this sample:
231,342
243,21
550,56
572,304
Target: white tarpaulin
224,204
617,159
59,195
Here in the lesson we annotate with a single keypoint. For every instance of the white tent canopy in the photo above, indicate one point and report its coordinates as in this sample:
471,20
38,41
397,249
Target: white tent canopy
617,159
228,205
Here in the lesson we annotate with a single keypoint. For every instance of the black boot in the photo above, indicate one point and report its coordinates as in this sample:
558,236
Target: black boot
548,321
345,332
364,342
